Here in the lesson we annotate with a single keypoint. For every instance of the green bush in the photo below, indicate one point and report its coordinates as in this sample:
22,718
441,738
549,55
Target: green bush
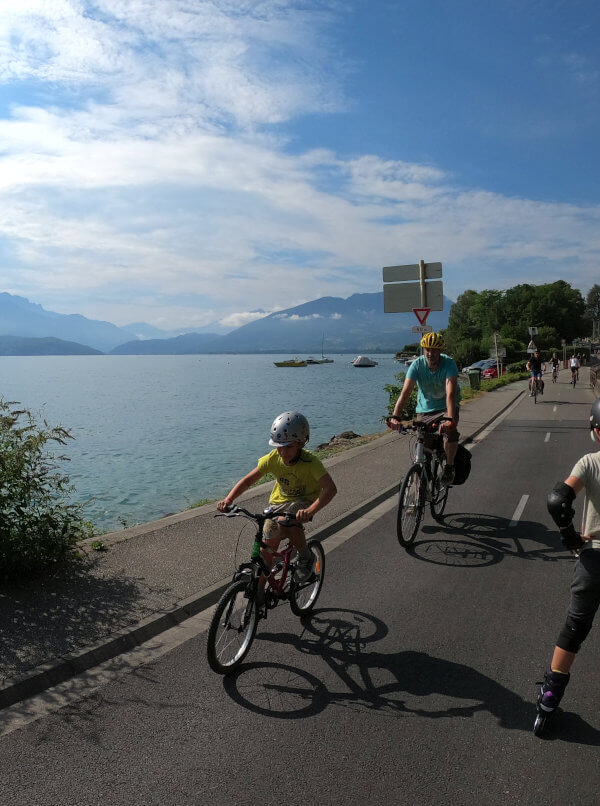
518,366
38,527
394,390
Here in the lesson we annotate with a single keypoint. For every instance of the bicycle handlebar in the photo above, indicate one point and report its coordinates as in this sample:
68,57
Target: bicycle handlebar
418,425
283,518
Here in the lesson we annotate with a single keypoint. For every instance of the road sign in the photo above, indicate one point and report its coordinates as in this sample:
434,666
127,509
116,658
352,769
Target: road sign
422,314
405,297
533,331
499,353
422,329
531,348
396,274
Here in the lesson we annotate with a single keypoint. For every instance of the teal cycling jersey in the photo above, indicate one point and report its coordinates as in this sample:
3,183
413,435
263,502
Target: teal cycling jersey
431,395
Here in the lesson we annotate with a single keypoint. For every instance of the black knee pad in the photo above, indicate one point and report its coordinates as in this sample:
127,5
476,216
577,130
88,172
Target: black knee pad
573,634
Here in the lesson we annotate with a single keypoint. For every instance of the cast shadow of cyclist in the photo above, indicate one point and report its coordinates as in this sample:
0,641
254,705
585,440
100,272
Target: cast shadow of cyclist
398,684
474,540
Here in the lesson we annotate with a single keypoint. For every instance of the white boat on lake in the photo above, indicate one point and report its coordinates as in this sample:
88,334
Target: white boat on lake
364,361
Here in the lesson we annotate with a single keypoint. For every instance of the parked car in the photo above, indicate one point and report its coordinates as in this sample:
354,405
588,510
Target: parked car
485,363
490,372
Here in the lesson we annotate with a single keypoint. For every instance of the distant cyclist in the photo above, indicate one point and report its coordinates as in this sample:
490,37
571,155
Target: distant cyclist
555,361
536,367
585,588
438,398
574,364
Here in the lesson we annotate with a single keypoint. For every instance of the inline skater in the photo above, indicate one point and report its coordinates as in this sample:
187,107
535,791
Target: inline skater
585,587
438,398
536,367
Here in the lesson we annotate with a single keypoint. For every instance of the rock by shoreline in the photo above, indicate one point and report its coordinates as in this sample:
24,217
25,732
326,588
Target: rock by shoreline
343,440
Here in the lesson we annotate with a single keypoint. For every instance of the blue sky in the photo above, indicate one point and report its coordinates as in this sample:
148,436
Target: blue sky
181,162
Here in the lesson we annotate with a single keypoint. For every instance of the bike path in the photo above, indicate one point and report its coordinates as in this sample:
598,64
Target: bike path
156,575
413,681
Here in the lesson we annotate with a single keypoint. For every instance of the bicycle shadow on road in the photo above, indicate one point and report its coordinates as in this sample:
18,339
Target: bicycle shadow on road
474,540
405,683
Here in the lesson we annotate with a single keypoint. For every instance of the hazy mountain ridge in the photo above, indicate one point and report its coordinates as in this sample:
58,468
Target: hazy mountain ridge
355,324
47,345
20,317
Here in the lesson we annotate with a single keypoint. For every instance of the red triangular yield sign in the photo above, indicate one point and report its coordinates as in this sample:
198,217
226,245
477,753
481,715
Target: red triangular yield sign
422,314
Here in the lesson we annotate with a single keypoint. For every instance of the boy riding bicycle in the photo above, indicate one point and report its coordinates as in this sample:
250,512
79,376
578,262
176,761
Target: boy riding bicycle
302,488
438,399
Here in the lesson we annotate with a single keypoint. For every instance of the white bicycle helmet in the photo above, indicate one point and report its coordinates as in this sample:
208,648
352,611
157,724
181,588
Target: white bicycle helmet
289,427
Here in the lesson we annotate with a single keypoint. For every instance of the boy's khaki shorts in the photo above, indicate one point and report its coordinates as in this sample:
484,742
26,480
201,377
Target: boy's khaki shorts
288,506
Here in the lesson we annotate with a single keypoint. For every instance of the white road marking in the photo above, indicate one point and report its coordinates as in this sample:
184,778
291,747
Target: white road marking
547,437
519,510
554,409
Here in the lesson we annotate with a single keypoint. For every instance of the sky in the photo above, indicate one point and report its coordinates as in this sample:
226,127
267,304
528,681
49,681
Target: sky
185,162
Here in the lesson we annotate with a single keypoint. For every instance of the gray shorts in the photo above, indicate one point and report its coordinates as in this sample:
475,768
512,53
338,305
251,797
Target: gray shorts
434,417
289,506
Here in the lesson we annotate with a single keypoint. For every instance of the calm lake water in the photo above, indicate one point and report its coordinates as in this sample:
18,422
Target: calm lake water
156,434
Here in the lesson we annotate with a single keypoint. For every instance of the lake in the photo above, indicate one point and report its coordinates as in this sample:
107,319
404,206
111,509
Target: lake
156,434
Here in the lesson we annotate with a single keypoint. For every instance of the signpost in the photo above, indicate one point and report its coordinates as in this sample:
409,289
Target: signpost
498,352
402,294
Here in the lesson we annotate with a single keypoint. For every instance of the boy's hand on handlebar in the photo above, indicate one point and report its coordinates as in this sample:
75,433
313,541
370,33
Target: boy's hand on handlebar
303,516
395,423
224,505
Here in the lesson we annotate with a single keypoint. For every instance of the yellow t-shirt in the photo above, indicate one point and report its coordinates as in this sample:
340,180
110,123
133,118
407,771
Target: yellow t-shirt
298,482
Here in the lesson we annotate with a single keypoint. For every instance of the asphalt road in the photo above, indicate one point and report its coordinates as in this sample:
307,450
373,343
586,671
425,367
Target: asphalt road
412,683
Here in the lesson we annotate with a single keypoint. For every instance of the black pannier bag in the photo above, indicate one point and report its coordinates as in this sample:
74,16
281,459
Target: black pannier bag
462,465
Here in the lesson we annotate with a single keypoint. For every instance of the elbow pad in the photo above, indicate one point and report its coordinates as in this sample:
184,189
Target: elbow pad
559,504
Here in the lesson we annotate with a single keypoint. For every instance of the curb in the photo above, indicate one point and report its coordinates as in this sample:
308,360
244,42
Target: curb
54,672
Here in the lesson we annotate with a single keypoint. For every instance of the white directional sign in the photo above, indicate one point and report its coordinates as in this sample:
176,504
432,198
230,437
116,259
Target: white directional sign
398,274
422,329
499,353
403,297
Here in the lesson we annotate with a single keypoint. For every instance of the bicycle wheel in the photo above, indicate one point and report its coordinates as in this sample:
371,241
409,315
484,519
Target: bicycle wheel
574,380
535,392
439,493
411,503
232,628
303,595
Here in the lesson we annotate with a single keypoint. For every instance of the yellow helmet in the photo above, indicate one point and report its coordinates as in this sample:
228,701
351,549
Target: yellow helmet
433,341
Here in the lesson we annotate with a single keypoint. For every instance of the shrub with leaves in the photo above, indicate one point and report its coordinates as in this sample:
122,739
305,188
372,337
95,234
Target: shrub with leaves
393,390
38,525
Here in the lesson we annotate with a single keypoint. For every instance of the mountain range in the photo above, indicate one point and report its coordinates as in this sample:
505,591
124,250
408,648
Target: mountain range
354,325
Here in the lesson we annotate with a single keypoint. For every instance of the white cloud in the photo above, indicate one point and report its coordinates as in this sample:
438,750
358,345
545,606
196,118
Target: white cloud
159,173
234,320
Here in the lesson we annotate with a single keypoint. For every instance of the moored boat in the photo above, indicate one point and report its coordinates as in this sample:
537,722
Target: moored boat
291,362
364,361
